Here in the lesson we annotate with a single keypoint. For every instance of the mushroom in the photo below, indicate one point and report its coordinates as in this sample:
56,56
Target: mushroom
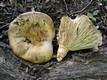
77,34
30,36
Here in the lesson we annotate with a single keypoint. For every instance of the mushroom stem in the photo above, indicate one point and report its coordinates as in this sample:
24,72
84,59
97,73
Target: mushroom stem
62,52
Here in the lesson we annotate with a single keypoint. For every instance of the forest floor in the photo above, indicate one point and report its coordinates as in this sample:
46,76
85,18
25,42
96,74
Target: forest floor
77,65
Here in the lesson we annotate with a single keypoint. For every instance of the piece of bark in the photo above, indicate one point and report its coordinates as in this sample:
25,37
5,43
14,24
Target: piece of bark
94,68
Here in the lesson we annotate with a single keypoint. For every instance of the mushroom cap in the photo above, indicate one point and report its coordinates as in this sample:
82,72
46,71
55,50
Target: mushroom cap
77,34
30,36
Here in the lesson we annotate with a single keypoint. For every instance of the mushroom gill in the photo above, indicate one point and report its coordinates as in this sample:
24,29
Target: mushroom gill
31,35
77,34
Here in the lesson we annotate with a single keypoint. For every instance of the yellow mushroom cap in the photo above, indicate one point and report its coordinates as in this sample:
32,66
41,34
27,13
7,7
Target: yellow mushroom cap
77,34
30,36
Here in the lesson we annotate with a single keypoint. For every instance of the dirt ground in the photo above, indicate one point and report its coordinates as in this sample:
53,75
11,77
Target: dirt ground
77,65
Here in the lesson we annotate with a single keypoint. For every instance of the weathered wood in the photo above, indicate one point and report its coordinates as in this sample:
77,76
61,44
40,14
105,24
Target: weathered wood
79,67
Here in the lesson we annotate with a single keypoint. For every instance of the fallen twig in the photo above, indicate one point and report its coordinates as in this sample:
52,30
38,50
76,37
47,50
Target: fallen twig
82,8
1,22
4,26
65,5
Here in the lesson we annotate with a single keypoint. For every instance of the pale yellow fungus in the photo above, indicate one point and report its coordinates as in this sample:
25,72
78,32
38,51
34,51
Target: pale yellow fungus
30,36
77,34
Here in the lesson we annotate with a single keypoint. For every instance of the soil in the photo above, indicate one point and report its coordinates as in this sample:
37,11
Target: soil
77,65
